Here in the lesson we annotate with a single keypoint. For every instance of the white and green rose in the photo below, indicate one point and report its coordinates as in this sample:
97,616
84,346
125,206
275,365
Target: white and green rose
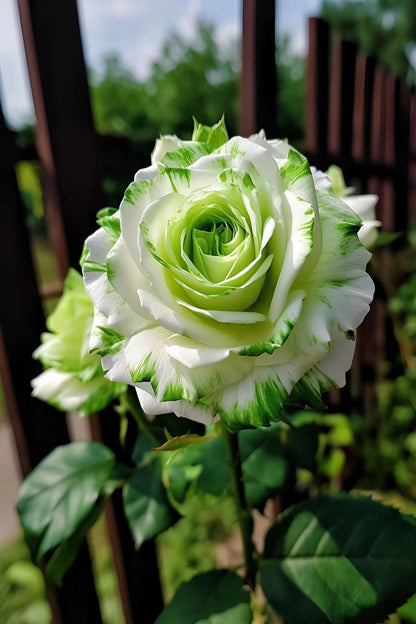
227,285
363,205
73,379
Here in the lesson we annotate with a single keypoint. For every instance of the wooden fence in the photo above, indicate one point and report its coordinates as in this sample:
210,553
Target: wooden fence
363,119
357,116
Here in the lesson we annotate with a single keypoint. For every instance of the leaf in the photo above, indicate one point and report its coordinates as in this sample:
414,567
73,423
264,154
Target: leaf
183,441
339,559
142,447
302,446
216,597
215,476
264,464
61,492
408,611
175,426
145,504
66,553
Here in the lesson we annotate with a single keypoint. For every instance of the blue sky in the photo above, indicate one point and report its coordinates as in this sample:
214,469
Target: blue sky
135,30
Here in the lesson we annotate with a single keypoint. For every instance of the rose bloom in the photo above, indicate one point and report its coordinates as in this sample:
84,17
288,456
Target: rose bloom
227,285
73,378
363,205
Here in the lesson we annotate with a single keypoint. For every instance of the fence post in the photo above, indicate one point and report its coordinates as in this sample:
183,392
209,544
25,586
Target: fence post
341,100
361,123
37,427
317,88
66,133
258,75
362,371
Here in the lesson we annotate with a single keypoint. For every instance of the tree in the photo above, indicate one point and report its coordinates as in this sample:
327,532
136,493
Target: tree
385,29
187,79
194,79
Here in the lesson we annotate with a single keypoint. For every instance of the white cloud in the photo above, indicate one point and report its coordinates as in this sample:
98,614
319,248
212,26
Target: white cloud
15,92
227,33
188,22
94,11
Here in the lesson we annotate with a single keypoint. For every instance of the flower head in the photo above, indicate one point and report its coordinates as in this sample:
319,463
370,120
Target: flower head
363,205
73,379
230,284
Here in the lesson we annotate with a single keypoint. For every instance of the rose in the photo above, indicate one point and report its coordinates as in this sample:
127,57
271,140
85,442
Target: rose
232,286
73,379
363,205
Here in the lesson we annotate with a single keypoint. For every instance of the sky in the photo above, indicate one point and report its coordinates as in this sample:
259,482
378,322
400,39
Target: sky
136,31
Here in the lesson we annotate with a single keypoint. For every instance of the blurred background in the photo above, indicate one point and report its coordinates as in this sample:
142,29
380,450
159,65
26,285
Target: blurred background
151,66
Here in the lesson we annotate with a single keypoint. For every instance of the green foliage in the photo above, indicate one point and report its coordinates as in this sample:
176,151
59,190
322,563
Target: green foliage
268,458
145,503
28,180
189,547
181,442
265,463
389,442
339,559
187,77
408,611
60,499
387,439
319,443
193,77
22,589
386,29
216,597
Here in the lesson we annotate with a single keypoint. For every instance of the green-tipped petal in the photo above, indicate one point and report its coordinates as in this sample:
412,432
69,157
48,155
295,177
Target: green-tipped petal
68,394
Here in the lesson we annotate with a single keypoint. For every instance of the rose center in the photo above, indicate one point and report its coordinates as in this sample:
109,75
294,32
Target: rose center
215,248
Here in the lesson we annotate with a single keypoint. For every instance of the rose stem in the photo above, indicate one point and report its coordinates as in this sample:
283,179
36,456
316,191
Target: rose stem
245,518
136,411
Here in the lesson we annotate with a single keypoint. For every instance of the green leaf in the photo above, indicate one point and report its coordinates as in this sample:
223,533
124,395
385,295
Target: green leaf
339,559
175,426
61,492
215,476
302,446
65,555
264,464
180,442
215,135
142,448
216,597
145,503
408,611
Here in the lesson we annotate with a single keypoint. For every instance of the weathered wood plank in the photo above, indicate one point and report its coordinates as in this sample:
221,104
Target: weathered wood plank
258,75
317,87
341,96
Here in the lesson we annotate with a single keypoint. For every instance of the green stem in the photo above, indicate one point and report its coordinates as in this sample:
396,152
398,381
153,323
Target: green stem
245,518
136,411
